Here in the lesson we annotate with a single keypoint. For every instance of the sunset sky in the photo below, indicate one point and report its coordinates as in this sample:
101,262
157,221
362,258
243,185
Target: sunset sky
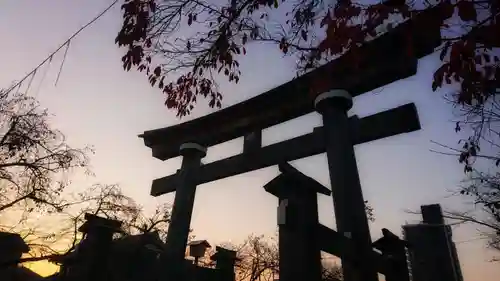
97,103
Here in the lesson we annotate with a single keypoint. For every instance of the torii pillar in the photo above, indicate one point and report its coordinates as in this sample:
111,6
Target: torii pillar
182,210
347,195
299,251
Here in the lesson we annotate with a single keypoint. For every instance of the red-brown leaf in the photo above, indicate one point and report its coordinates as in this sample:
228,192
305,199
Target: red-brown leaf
445,49
157,71
447,9
303,33
488,72
477,59
325,20
487,58
161,84
467,11
152,6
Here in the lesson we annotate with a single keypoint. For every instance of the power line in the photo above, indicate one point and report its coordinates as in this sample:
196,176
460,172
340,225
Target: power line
65,43
471,240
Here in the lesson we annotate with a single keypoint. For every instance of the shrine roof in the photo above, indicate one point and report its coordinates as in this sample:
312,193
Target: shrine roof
292,180
13,242
200,242
96,221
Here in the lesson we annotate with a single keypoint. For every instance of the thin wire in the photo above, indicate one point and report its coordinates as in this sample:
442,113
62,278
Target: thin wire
43,79
49,57
471,240
62,63
31,81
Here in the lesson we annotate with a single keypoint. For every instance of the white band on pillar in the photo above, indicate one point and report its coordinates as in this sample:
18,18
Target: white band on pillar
192,145
282,212
332,94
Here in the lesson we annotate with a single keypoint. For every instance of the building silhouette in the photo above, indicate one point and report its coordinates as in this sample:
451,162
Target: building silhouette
432,253
12,247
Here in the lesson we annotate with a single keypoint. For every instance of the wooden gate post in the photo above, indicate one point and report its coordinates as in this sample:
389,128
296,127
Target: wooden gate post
299,252
182,210
344,178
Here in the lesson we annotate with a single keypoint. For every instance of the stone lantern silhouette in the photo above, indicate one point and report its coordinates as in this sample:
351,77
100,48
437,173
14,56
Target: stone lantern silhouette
197,249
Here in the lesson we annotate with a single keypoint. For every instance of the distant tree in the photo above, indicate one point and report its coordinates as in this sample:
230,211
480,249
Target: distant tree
34,158
370,213
485,190
35,168
61,235
491,228
259,260
484,214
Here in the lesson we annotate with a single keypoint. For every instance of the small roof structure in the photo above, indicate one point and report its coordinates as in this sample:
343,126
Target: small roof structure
149,240
198,248
388,241
93,221
12,242
291,178
224,254
200,242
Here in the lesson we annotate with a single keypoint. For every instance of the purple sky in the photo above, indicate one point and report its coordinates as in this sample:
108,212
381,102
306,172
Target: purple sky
97,103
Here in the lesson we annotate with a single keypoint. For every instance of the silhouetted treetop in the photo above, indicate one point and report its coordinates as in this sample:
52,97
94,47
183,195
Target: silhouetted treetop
201,40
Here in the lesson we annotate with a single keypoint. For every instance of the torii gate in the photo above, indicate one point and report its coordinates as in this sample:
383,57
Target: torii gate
384,61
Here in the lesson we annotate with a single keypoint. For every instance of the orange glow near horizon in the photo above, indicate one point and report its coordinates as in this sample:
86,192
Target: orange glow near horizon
43,268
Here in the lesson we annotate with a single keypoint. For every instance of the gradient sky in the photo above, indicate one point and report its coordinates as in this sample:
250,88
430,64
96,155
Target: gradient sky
96,102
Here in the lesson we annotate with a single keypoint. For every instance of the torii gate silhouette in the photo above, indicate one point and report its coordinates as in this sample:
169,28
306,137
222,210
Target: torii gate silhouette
384,61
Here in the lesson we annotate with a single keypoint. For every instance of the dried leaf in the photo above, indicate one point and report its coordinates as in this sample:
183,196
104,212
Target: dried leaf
161,84
478,59
325,20
467,11
303,33
445,49
487,58
447,9
157,71
152,6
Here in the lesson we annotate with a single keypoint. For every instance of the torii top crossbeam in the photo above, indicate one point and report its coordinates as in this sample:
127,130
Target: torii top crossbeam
384,60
